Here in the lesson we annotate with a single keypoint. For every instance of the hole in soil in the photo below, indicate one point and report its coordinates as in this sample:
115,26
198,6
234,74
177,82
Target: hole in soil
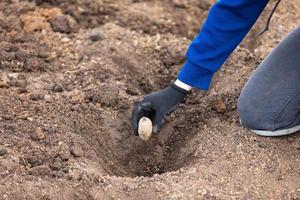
122,154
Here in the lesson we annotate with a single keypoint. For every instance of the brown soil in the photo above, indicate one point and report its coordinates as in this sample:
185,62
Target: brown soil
70,73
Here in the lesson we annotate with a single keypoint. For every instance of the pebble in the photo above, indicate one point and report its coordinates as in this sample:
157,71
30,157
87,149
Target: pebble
35,161
262,145
63,24
65,40
57,88
132,91
3,83
30,119
219,106
94,35
3,151
36,97
47,98
38,134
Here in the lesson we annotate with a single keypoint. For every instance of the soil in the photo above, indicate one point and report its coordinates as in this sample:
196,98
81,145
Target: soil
70,74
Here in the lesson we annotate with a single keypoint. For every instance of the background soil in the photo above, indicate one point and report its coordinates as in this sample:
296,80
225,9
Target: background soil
70,73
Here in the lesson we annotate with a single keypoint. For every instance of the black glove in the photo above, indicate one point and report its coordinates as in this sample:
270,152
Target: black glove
157,106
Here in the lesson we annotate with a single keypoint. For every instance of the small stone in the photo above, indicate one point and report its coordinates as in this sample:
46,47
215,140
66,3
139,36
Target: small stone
36,97
94,35
57,88
63,24
180,4
47,98
30,119
3,151
3,83
76,151
42,170
262,145
132,91
50,130
219,106
65,40
38,134
34,161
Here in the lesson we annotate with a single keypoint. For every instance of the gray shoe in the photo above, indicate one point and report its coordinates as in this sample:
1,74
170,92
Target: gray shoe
278,132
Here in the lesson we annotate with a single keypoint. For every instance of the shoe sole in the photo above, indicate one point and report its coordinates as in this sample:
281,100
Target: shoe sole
277,133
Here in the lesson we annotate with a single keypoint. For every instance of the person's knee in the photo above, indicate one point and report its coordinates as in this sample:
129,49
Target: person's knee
252,115
261,113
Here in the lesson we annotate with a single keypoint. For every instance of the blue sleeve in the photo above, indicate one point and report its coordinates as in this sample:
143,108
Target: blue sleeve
227,24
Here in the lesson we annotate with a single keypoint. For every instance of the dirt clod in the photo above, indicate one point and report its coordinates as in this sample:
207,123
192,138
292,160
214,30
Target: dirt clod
57,87
35,161
3,83
63,24
34,23
107,97
131,91
64,152
219,105
36,97
262,145
42,170
76,151
38,134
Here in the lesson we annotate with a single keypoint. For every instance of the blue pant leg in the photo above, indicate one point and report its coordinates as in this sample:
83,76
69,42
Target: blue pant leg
271,98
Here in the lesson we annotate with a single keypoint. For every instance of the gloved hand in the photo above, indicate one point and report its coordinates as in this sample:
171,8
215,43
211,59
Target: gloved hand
157,106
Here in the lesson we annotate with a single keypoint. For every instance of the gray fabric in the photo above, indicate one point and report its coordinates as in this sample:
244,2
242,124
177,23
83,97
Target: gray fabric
271,98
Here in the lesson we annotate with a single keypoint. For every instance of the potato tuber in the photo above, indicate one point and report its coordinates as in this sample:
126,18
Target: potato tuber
145,128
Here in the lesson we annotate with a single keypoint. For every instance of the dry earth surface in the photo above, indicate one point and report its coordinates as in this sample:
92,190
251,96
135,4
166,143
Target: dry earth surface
70,71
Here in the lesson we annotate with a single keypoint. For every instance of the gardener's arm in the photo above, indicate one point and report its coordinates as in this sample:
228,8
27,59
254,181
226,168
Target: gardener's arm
226,25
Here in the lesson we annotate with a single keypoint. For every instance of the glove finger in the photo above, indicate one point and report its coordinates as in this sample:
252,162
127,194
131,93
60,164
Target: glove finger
143,109
159,121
